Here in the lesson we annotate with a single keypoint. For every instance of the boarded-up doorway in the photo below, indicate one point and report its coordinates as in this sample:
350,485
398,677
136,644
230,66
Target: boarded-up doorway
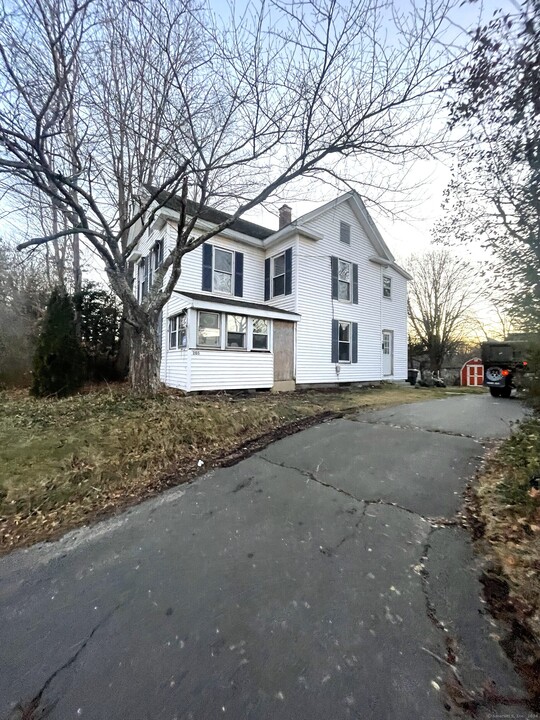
283,352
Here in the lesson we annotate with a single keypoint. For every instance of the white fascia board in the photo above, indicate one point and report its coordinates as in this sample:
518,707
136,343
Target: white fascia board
289,230
165,215
216,306
401,271
390,264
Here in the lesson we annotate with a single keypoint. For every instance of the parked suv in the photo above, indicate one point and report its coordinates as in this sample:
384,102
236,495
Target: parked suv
504,366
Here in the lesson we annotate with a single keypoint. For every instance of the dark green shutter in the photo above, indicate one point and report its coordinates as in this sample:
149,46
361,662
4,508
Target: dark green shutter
239,274
354,341
334,266
288,271
335,341
355,284
267,279
207,267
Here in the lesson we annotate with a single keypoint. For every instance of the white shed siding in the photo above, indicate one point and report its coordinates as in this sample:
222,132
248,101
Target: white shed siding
394,317
284,302
316,307
191,277
231,370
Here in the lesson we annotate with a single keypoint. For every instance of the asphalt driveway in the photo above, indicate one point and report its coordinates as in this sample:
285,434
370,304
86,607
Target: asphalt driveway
323,578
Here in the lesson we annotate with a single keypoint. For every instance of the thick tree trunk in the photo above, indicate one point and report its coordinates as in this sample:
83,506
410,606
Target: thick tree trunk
145,360
121,363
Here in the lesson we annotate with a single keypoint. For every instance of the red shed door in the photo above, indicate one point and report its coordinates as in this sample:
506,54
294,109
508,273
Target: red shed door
475,375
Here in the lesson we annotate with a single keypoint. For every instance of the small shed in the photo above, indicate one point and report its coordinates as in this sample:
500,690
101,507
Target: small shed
472,372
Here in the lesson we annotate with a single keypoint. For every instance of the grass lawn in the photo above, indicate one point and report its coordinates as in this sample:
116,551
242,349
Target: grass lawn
508,505
65,462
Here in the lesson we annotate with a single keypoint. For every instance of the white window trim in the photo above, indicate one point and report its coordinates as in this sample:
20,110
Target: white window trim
221,340
349,361
349,263
283,274
387,297
231,252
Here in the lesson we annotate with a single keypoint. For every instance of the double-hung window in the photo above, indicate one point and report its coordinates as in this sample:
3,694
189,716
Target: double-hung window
178,332
344,281
260,334
236,331
209,330
223,271
344,342
387,287
278,275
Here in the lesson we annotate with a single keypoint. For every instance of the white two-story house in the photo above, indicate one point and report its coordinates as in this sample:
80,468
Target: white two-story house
321,300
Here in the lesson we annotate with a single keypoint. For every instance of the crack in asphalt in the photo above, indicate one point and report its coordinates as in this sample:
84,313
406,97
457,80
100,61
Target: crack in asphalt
434,522
457,693
421,429
27,711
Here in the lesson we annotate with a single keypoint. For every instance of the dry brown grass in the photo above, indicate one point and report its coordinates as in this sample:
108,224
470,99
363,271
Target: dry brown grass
509,506
65,462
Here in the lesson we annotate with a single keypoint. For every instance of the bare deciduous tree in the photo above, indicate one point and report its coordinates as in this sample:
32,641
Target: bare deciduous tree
442,294
101,96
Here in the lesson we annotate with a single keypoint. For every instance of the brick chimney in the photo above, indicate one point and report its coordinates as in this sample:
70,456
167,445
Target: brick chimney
285,217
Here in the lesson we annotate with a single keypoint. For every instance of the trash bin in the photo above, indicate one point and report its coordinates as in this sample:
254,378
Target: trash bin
412,375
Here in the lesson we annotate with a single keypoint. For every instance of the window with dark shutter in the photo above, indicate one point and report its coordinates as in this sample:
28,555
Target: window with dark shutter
278,275
344,342
223,271
344,281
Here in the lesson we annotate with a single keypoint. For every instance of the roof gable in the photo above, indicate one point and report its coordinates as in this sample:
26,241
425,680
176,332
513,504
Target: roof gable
361,213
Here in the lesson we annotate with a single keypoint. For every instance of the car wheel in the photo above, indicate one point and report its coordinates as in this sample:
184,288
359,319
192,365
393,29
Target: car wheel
496,392
506,391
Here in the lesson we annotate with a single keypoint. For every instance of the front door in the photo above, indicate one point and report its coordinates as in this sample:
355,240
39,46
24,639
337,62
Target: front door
283,350
388,352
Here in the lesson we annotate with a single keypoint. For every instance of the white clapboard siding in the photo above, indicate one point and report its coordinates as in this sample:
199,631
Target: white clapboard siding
317,308
191,276
174,363
230,370
284,302
394,317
